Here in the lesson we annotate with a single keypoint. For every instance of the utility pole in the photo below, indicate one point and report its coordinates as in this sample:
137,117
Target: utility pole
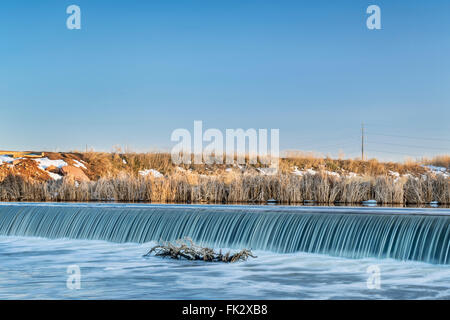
362,141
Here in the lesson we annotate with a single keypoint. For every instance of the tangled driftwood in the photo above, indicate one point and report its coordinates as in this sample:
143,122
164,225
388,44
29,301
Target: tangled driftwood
186,249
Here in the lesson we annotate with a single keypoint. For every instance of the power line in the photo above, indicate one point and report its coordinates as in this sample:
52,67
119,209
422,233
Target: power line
402,153
409,137
410,146
330,139
341,143
351,143
334,145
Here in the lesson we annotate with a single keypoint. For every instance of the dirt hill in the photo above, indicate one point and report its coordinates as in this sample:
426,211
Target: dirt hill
91,166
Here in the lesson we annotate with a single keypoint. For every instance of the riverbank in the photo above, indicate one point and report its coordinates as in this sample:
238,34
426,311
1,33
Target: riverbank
231,188
152,177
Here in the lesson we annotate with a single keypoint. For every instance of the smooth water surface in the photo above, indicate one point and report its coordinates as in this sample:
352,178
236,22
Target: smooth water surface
34,268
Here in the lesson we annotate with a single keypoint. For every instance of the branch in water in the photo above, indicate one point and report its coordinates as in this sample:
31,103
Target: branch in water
186,249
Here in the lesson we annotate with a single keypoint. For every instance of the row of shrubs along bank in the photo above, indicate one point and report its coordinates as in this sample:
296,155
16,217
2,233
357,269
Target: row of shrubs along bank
232,187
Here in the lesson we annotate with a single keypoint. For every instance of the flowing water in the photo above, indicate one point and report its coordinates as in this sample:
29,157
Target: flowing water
303,252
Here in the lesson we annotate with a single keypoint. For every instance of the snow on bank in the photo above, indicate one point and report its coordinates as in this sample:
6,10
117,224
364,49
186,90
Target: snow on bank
394,174
153,172
44,163
7,159
441,171
438,170
298,172
78,164
54,176
267,171
332,173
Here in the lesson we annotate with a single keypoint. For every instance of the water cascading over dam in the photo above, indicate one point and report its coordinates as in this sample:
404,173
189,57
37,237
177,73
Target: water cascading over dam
351,233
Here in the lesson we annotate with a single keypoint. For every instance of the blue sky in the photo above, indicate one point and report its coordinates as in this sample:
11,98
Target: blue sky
137,70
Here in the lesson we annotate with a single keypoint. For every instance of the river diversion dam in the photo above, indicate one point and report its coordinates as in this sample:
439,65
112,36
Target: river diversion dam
384,233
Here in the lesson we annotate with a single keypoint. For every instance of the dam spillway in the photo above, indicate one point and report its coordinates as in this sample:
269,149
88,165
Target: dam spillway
399,234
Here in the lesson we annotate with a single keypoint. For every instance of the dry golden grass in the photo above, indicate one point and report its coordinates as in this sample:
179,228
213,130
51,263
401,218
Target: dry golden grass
233,187
102,164
371,167
115,177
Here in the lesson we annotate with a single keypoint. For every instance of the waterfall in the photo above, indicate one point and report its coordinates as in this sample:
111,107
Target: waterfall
352,233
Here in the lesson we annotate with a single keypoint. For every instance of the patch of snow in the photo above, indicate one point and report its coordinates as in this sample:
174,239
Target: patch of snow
394,174
7,159
298,172
435,169
438,170
44,163
332,173
267,171
352,175
153,172
54,176
78,164
303,172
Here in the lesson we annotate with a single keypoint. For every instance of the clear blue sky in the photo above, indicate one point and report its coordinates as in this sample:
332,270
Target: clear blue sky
137,70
